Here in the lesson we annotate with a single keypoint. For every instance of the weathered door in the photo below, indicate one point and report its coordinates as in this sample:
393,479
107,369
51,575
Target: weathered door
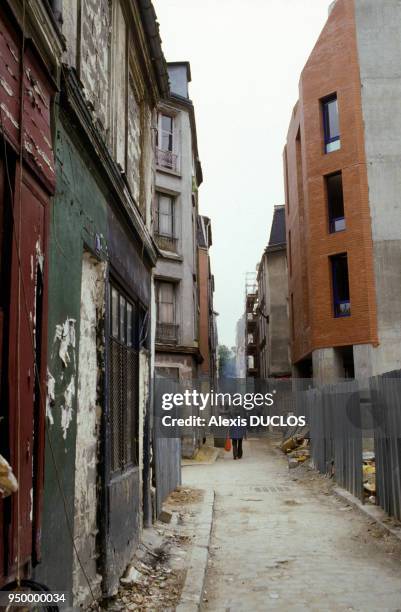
25,372
123,492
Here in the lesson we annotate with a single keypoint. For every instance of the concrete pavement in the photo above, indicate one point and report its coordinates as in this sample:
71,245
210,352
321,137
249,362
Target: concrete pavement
281,544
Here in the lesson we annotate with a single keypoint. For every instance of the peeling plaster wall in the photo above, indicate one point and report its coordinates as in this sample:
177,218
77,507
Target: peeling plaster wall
134,145
78,214
88,432
94,55
144,363
148,161
140,153
70,31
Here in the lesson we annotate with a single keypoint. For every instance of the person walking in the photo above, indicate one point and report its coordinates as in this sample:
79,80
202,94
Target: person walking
237,433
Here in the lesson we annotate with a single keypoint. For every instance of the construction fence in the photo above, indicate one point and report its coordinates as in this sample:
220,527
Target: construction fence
355,436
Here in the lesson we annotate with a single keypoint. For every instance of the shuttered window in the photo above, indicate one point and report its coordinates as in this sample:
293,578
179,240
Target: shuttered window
123,381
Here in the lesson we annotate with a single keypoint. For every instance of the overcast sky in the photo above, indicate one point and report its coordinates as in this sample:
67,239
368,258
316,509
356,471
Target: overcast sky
246,58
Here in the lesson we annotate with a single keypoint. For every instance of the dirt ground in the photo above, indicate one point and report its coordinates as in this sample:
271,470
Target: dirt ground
159,568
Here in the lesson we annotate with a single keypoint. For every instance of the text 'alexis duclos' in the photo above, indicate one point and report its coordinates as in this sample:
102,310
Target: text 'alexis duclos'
252,421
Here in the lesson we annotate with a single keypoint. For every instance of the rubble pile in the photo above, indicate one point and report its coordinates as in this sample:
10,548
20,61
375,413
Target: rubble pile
155,576
296,445
369,477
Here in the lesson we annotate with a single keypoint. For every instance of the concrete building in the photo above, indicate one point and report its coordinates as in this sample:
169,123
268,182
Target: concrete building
175,221
273,322
207,315
342,179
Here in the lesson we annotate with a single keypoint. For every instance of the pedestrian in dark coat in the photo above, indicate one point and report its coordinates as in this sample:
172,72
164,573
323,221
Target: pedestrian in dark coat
237,433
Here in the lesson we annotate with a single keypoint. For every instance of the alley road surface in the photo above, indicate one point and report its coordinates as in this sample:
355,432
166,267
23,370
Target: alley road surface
283,544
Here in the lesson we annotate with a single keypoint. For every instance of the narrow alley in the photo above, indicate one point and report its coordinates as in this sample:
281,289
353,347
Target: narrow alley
281,540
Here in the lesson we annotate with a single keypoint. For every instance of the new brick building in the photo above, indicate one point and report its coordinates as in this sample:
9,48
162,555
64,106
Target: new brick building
342,166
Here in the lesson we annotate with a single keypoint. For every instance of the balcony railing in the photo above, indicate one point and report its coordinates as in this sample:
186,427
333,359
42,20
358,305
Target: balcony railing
166,243
167,159
166,333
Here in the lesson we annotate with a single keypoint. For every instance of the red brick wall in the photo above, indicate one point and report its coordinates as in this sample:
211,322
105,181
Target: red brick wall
332,67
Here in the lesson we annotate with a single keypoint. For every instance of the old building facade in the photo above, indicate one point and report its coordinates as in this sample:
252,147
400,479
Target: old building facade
341,184
101,255
178,177
30,52
273,322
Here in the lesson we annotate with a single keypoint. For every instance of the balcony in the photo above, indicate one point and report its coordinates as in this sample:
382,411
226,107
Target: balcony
166,243
166,333
167,160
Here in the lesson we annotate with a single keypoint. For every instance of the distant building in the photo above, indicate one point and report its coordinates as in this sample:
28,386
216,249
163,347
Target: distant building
273,331
342,176
240,360
178,177
251,327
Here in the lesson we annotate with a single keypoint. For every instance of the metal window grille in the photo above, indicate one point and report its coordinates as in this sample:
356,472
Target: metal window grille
123,382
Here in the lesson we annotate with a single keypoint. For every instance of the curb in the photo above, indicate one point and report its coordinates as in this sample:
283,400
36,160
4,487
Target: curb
373,512
192,592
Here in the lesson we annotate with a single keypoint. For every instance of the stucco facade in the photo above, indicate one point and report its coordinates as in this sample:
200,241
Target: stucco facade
178,177
273,321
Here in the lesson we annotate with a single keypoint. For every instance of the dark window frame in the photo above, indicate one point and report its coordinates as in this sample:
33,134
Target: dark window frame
123,376
333,220
161,132
328,139
339,301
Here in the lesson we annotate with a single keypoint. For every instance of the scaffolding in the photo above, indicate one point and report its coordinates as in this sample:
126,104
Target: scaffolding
251,325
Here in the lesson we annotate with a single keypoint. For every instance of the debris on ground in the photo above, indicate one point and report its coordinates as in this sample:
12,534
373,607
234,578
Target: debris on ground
185,496
369,477
165,517
296,446
155,577
206,454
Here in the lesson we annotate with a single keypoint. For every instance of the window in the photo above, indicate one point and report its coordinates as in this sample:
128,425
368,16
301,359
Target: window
124,381
166,156
166,133
165,302
165,215
300,172
335,202
341,297
331,124
166,329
